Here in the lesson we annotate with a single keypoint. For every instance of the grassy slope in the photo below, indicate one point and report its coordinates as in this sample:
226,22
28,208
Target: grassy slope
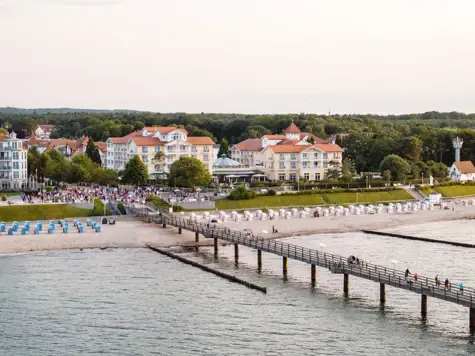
40,212
298,200
456,190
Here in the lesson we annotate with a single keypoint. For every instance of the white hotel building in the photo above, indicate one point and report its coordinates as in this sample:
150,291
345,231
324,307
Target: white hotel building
13,163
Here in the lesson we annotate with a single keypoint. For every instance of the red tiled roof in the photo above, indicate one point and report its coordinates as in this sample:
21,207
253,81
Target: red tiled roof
465,167
102,146
147,141
329,147
46,127
274,137
251,144
292,128
300,148
200,140
126,138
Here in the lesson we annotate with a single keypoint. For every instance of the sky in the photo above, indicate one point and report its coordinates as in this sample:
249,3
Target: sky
245,56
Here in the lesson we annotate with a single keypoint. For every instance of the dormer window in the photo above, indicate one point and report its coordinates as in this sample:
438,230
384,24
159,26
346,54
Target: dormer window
176,136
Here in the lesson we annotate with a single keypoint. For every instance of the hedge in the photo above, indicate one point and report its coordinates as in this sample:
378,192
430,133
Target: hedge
99,208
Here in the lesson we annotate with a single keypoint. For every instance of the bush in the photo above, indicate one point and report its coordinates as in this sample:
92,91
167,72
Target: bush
49,188
265,184
121,208
271,193
338,190
158,202
99,208
4,198
178,208
241,193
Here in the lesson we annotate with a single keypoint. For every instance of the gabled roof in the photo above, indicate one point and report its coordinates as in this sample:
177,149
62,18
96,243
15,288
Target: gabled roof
101,146
147,141
251,144
200,140
46,127
126,138
328,147
164,130
292,128
465,167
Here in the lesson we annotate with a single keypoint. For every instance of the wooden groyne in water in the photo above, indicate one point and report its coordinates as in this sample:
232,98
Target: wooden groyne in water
229,277
415,238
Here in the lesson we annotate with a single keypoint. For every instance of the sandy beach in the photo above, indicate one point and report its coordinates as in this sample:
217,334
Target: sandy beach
136,234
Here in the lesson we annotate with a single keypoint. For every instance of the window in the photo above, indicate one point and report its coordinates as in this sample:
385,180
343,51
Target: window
205,158
281,165
315,164
16,165
206,166
157,148
325,156
315,155
144,159
170,158
325,164
170,148
304,155
14,145
281,176
293,165
336,155
144,149
293,156
317,176
182,148
306,176
16,174
305,164
176,136
292,176
194,149
281,157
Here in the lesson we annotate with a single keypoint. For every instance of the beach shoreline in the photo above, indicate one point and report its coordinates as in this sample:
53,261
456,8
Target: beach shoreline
137,234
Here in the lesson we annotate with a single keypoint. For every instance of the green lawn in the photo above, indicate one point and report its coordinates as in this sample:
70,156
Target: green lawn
426,190
321,199
456,190
9,194
40,212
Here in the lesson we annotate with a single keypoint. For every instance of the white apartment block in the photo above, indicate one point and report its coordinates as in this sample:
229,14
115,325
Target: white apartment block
13,163
173,142
289,156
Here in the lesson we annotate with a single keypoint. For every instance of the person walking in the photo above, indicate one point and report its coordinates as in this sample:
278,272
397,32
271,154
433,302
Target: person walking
461,287
446,284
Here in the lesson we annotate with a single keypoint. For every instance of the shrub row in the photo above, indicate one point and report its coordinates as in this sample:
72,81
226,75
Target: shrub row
99,208
121,208
339,190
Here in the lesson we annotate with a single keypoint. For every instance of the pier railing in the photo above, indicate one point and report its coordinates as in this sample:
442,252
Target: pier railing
335,263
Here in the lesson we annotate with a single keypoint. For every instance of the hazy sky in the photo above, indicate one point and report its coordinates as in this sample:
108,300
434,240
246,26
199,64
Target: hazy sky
249,56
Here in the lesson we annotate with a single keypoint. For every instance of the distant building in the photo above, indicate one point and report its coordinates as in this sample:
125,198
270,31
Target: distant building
462,171
13,163
173,142
289,156
44,131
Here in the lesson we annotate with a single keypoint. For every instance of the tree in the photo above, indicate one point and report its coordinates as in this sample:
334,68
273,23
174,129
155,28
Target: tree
223,148
139,125
135,171
92,151
3,131
398,167
79,174
188,172
159,160
347,170
311,140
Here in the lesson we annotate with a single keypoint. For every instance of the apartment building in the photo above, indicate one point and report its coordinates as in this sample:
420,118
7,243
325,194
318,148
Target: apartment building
13,163
288,156
68,148
173,142
294,162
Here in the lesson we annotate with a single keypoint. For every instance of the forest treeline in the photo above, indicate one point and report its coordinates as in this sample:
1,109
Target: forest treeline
415,137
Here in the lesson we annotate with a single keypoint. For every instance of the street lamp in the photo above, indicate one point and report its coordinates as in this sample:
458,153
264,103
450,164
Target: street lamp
357,197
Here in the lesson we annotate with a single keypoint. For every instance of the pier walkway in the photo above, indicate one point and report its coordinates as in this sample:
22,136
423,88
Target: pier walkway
425,286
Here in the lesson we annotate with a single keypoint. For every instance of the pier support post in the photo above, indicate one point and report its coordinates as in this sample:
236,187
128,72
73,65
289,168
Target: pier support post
236,252
197,237
259,260
215,246
313,274
179,230
424,305
472,319
164,225
382,293
284,266
346,284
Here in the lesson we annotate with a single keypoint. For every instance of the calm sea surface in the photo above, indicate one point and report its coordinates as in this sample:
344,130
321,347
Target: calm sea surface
137,302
